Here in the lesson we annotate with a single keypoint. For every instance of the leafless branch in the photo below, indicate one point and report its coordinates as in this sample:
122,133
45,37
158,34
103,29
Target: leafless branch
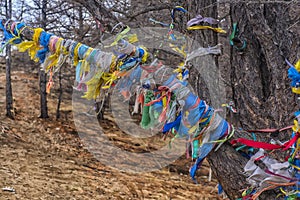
146,10
248,2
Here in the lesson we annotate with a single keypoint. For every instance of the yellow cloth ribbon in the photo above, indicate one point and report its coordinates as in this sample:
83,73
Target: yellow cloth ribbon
109,79
296,90
75,58
94,86
297,66
198,27
179,50
85,65
145,56
52,60
193,129
295,128
132,38
179,70
32,46
296,149
289,193
100,79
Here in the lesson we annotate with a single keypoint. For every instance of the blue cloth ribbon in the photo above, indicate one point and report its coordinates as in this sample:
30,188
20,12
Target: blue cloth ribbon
175,124
44,42
177,8
295,76
206,148
78,69
6,34
82,50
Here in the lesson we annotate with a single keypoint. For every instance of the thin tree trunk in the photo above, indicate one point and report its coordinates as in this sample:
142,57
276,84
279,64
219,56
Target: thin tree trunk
43,93
60,94
43,76
9,96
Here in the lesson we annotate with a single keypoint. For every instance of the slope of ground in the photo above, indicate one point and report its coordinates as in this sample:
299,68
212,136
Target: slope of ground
45,159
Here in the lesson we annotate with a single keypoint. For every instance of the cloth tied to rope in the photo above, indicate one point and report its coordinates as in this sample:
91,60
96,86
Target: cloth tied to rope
265,145
12,34
32,46
199,19
294,75
261,179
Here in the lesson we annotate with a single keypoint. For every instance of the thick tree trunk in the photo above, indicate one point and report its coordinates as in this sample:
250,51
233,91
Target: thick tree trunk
260,87
228,167
227,164
257,77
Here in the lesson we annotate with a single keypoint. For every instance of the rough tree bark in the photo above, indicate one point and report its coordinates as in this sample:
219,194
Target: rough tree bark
261,91
9,95
227,164
257,77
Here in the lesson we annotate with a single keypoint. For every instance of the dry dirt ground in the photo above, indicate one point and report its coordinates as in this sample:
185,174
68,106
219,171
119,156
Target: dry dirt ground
45,159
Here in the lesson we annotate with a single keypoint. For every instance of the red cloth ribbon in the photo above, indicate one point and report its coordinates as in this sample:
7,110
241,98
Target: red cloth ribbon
264,145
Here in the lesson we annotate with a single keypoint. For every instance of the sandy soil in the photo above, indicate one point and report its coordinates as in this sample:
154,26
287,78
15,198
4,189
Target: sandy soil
45,159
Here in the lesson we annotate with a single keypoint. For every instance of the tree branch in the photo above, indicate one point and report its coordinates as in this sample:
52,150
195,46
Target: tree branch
247,2
146,10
